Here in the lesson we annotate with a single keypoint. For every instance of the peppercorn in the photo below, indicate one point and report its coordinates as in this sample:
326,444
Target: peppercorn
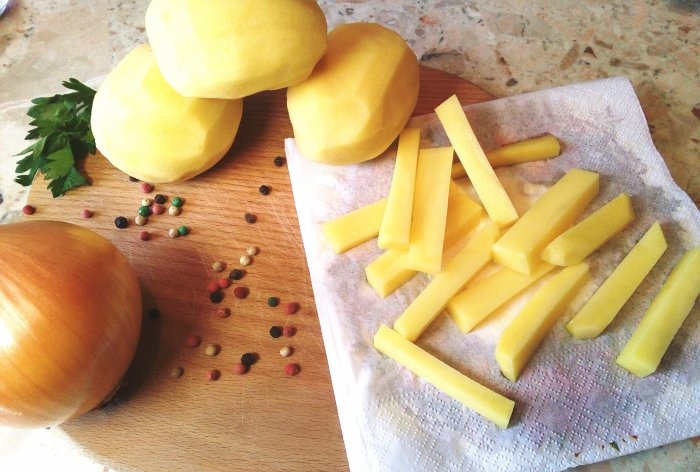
86,213
146,202
279,161
192,340
213,286
240,292
264,190
174,211
140,220
292,369
223,312
213,374
217,266
291,308
133,179
121,222
289,331
248,359
177,372
160,198
223,283
239,368
145,211
245,260
252,250
144,235
146,187
275,331
216,297
173,233
212,350
250,218
158,209
154,313
177,201
286,351
273,301
236,274
183,230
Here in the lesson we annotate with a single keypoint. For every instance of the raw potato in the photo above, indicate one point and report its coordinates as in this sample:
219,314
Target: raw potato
149,131
354,228
358,98
233,49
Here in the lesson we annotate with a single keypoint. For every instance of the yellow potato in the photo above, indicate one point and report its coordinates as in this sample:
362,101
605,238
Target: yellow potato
151,132
358,98
232,49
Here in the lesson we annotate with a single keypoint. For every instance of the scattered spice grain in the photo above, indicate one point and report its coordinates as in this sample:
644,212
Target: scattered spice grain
177,201
86,213
236,274
145,210
292,369
273,301
248,359
223,282
217,266
250,218
173,233
213,374
158,209
160,198
279,161
239,368
146,202
212,350
264,189
192,340
289,331
176,372
223,312
146,187
252,250
216,297
275,331
290,308
240,292
140,220
144,235
286,351
245,260
183,230
121,222
174,211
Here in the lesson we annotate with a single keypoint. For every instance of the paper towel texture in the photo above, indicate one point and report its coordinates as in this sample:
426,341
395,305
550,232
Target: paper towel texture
574,405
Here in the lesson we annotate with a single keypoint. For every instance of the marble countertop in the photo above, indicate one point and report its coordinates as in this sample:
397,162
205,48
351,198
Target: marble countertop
506,47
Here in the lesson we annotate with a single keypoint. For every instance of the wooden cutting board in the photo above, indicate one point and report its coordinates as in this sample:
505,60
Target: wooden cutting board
263,420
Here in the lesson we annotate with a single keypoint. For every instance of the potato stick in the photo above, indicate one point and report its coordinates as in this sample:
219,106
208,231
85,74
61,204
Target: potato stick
608,300
482,400
528,150
355,227
643,352
396,225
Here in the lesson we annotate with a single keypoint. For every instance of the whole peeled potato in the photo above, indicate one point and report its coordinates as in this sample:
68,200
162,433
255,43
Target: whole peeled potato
149,131
358,98
232,49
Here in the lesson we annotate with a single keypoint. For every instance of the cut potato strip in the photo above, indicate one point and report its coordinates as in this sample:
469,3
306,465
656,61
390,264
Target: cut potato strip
396,225
485,296
608,300
578,242
390,270
430,209
490,190
664,317
457,273
520,247
528,150
524,334
354,228
482,400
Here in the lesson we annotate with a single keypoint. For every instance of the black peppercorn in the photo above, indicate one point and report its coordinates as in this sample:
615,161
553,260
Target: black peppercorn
250,218
236,274
248,359
121,222
275,331
160,199
279,161
216,297
264,189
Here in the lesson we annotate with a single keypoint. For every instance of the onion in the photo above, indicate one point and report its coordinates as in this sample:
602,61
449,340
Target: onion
70,320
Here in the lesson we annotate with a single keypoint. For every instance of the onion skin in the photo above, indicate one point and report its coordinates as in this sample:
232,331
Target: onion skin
70,320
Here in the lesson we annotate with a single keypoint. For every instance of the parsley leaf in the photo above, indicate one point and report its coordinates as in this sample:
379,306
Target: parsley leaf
62,134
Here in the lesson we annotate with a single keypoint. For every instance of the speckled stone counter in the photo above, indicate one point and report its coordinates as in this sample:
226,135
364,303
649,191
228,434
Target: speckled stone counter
506,47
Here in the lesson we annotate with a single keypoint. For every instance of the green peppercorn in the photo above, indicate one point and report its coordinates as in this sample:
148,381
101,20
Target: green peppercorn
183,230
177,201
273,301
145,211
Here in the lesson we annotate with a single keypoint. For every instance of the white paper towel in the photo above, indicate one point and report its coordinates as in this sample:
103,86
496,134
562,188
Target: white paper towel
574,405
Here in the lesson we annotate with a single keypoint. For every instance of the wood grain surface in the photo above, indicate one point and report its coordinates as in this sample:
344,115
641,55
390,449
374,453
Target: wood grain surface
263,420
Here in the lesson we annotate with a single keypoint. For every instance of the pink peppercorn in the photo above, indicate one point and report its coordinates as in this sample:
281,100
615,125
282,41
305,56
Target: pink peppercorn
289,331
213,287
240,292
223,282
222,312
28,210
213,374
291,308
292,369
192,340
86,213
239,368
157,209
146,187
144,235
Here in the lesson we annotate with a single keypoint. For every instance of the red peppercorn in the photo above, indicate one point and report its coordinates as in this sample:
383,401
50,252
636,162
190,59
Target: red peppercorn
158,209
86,213
291,308
213,287
146,187
213,374
192,340
223,282
239,368
144,235
292,369
223,312
289,331
28,210
240,292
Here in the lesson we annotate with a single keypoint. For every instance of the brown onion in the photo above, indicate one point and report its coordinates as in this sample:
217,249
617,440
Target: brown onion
70,319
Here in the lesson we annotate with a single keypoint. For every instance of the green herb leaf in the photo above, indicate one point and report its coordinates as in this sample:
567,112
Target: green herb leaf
61,128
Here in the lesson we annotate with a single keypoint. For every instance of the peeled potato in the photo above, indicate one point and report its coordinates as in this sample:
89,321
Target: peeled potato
232,49
358,98
149,131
